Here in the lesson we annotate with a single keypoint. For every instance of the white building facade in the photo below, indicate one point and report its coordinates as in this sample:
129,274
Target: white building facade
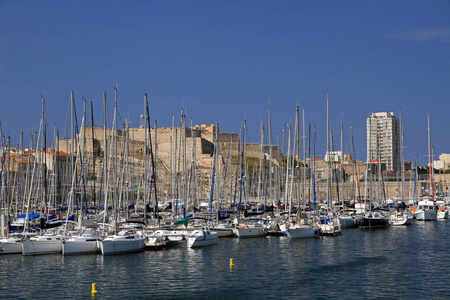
383,139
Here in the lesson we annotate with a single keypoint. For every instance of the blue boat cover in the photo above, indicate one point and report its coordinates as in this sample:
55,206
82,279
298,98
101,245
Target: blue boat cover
30,216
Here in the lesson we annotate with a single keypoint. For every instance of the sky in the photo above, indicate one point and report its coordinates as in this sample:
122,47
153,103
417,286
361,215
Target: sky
228,61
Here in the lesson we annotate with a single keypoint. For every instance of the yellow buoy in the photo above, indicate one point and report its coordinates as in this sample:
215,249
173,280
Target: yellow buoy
231,262
94,288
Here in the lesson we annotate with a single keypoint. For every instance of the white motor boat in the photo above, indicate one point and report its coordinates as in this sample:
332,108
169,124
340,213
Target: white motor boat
401,218
49,243
425,211
201,238
123,242
442,213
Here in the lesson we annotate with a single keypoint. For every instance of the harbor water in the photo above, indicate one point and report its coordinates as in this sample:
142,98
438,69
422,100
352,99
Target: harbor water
396,263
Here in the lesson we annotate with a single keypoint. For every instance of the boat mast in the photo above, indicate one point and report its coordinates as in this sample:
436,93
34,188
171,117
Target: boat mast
431,159
402,158
328,157
114,162
270,157
304,156
241,173
211,196
287,199
297,137
341,171
153,179
105,162
93,160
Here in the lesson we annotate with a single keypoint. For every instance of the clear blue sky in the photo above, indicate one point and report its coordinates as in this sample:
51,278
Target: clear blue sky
228,60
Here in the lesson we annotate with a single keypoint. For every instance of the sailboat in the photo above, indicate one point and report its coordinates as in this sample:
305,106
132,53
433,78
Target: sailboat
201,238
8,244
124,241
50,242
87,239
346,220
372,219
426,209
401,216
297,226
251,227
300,227
329,224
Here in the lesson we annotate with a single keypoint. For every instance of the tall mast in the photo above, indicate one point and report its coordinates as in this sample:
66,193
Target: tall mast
183,145
105,161
270,157
211,196
172,162
261,154
431,158
328,156
83,167
241,172
287,198
402,154
114,162
297,137
341,171
93,159
72,111
304,155
43,162
153,179
314,169
357,193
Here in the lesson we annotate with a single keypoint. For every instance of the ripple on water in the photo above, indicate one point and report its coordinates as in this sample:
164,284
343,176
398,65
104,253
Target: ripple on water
397,262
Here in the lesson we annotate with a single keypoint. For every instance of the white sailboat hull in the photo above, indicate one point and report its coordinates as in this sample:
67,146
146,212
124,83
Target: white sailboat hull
303,232
201,238
10,246
223,230
81,245
249,232
42,246
122,244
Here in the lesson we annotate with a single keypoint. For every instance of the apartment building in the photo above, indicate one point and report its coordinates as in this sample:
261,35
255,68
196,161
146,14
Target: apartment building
383,139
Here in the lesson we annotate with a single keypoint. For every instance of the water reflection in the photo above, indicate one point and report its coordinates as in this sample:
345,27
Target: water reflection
397,262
